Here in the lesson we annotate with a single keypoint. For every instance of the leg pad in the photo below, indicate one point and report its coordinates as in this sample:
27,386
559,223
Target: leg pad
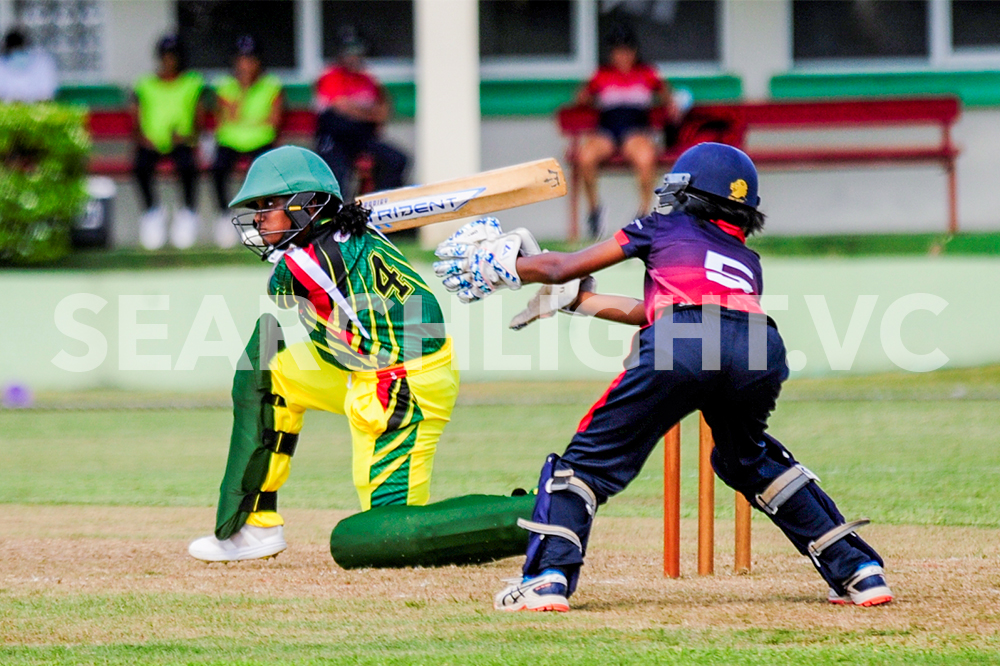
471,529
783,487
817,546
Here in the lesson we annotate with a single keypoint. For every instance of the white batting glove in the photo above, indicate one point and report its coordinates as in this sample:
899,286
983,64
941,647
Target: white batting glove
475,271
499,257
456,251
464,242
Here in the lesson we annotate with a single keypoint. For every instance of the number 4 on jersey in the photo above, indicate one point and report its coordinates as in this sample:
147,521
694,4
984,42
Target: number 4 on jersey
389,280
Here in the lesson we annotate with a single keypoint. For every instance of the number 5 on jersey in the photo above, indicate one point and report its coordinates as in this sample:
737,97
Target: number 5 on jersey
715,270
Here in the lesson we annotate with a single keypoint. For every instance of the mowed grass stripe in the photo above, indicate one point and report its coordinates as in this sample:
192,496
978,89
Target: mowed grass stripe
245,630
897,462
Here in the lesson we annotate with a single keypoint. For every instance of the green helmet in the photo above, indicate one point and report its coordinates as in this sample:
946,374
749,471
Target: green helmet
287,170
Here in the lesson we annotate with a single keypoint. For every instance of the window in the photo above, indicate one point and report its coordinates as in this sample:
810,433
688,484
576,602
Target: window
71,31
385,26
525,28
975,24
859,29
669,31
209,29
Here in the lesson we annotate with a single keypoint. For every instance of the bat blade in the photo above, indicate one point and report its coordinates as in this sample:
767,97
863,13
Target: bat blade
469,196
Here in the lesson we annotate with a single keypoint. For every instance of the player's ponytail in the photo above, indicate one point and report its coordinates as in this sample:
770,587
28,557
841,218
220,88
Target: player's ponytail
709,207
350,219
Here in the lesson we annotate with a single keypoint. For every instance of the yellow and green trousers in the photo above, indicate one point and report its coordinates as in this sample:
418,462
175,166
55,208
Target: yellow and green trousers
396,416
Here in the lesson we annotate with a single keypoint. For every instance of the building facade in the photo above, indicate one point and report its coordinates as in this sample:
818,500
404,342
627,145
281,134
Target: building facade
534,53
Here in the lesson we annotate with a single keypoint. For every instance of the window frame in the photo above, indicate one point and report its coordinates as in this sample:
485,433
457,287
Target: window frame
99,74
942,56
683,68
579,64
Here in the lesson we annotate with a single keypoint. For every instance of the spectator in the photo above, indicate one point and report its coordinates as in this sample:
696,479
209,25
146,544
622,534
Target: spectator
352,107
624,90
168,110
26,74
248,113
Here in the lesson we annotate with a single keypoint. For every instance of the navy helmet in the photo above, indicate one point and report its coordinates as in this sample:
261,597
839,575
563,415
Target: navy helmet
720,170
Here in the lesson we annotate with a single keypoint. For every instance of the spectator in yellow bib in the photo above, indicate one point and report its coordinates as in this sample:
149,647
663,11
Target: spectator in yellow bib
168,111
249,107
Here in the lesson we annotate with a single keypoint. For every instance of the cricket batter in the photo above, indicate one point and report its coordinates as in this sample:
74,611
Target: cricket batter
704,344
376,352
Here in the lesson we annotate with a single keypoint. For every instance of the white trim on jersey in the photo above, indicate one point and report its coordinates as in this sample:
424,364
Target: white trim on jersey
301,258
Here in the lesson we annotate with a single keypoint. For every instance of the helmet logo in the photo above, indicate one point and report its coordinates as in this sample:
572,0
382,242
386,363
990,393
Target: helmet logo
738,190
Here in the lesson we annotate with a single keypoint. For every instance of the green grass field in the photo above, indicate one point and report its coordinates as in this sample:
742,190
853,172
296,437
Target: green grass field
100,503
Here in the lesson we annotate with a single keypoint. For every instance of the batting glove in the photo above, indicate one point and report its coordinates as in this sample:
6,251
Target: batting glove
500,256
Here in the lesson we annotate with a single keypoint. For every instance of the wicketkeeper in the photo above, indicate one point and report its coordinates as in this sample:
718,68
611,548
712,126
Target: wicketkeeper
704,344
377,352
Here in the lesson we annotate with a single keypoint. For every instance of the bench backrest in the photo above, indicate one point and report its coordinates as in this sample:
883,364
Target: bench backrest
118,124
942,110
895,111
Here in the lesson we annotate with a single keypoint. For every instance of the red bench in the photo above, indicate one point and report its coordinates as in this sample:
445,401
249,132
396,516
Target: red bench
118,125
110,126
733,123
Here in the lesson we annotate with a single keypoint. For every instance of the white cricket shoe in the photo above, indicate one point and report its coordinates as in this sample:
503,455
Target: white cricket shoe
184,230
153,228
546,592
250,543
867,587
225,233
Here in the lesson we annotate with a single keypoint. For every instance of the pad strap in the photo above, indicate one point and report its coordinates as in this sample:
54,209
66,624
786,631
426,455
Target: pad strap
280,442
551,530
564,479
783,487
260,501
817,547
273,399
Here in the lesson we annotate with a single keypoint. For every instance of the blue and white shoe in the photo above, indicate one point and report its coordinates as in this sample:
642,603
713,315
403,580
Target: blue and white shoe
546,592
867,587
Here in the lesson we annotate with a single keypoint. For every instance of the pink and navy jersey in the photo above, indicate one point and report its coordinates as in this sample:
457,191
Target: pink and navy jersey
693,262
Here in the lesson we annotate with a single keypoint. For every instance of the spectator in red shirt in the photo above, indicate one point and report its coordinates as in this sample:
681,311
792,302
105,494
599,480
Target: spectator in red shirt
352,106
624,90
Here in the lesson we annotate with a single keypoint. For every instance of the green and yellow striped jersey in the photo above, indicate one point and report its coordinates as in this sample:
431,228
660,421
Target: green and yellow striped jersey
384,313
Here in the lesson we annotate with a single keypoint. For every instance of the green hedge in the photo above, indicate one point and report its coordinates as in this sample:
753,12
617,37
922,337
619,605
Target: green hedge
43,161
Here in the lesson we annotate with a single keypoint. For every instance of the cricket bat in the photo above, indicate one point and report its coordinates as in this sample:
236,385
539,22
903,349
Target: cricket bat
469,196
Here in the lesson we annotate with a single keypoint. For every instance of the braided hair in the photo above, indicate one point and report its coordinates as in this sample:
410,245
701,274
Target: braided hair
349,218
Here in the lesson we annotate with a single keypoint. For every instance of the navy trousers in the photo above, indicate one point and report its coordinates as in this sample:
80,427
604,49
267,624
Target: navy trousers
733,373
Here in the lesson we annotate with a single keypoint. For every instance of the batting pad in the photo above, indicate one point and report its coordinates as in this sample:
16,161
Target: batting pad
470,529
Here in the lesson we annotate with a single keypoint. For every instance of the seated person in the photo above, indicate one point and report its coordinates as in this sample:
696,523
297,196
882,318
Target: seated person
26,74
352,106
624,90
248,113
168,111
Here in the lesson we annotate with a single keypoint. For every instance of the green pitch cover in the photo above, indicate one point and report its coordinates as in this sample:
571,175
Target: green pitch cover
470,529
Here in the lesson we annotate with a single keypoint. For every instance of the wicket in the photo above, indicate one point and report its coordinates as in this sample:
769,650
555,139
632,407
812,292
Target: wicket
706,507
